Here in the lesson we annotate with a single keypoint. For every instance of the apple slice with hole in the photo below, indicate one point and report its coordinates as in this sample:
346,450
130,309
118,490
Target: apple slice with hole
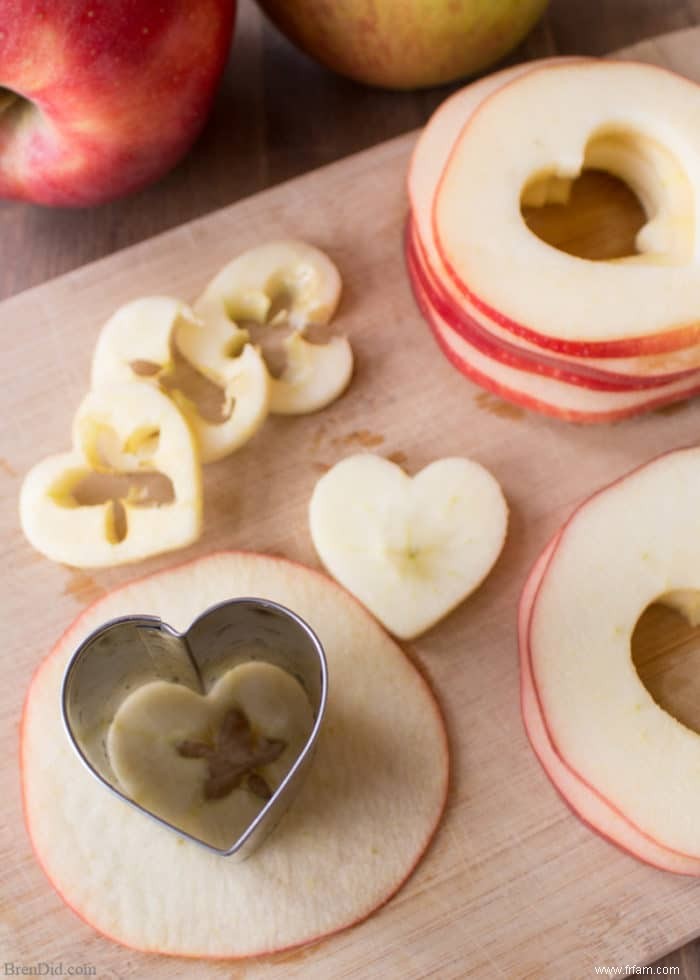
283,283
365,815
472,324
640,307
548,396
625,548
138,343
585,802
469,327
125,429
411,549
428,162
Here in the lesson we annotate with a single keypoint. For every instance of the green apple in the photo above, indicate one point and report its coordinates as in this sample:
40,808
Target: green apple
405,44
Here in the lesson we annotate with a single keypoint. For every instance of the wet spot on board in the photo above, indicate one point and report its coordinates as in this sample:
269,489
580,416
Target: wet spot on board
361,437
82,587
295,954
498,407
319,436
670,409
398,457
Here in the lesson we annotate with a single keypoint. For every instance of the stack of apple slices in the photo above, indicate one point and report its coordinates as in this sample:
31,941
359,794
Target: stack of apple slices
582,340
626,766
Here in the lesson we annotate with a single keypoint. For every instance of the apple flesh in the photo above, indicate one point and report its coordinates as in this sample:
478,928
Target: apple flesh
647,304
584,801
410,548
364,817
628,546
474,327
428,162
97,100
547,395
405,45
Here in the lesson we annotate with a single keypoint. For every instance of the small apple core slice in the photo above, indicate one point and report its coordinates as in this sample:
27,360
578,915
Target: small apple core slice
366,813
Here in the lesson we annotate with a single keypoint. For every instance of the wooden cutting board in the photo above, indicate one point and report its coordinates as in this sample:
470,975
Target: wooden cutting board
514,886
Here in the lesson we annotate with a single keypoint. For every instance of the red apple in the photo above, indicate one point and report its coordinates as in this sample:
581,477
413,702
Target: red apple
405,44
99,98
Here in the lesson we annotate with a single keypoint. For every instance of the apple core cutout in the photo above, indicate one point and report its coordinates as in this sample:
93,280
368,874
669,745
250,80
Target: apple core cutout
623,192
599,220
666,654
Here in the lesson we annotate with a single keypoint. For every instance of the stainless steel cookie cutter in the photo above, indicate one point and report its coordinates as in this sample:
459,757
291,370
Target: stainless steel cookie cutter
133,650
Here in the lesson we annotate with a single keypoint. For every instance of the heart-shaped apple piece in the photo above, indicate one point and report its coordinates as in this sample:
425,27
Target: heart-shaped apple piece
129,429
304,285
140,341
411,549
208,764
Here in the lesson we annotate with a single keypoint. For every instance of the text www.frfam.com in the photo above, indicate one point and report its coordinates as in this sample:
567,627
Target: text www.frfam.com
631,970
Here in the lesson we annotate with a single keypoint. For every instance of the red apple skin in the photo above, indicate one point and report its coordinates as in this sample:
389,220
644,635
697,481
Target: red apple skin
544,363
676,337
405,44
598,815
65,637
509,353
517,397
116,92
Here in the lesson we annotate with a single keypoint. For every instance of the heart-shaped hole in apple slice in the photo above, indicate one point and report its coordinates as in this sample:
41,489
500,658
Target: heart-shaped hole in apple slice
208,732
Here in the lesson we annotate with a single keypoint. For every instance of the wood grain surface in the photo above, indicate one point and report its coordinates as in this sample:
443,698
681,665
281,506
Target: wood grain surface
279,115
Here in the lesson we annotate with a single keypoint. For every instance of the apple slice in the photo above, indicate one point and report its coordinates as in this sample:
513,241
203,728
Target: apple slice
550,396
601,374
469,325
430,157
138,342
127,429
584,801
411,549
639,307
628,546
364,817
306,285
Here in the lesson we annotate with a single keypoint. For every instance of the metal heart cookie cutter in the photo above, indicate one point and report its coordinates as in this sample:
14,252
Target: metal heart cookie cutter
125,653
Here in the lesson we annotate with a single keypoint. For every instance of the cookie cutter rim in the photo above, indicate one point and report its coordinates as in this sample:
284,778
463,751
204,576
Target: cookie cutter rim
266,820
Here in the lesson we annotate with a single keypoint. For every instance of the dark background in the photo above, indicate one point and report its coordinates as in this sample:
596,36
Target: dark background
278,115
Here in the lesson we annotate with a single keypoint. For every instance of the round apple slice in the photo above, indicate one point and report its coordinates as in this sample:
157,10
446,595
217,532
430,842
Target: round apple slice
428,162
640,307
469,325
305,285
371,803
628,546
585,803
549,396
